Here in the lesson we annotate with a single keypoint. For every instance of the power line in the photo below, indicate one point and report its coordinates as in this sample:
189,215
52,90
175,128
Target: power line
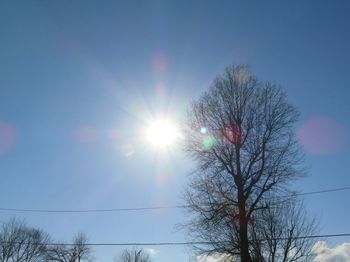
184,243
147,208
90,210
323,191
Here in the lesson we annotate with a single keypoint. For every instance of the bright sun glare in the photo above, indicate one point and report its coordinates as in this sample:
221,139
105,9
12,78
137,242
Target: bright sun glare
162,134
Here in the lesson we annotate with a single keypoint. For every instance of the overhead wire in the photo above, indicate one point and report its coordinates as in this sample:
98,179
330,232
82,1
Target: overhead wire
323,191
171,243
150,207
182,243
89,210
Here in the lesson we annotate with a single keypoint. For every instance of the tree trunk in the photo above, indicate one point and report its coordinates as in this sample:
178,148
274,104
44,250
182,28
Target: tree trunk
243,229
243,232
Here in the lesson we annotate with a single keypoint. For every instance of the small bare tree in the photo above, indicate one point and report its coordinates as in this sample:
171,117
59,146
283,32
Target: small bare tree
19,243
278,232
241,135
60,253
133,255
80,251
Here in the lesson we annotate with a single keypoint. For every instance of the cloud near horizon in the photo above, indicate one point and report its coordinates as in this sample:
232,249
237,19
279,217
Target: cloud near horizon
212,258
151,251
324,253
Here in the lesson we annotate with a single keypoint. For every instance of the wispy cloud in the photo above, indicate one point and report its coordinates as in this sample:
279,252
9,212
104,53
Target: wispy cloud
212,258
340,253
151,251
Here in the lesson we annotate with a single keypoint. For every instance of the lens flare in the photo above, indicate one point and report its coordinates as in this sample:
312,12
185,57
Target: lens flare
86,134
204,130
159,62
7,137
209,142
322,135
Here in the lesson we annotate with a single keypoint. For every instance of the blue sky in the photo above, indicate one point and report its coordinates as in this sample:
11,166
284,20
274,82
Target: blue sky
80,80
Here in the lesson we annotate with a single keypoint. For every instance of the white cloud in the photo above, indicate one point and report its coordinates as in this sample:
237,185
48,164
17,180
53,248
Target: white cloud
151,251
340,253
212,258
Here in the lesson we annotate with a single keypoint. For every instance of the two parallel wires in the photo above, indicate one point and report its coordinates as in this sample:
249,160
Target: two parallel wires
165,207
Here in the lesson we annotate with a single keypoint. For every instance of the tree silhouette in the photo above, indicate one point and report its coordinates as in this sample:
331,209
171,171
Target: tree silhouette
20,243
134,255
241,135
80,251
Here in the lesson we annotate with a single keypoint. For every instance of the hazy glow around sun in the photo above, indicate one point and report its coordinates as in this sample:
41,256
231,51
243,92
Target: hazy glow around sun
162,133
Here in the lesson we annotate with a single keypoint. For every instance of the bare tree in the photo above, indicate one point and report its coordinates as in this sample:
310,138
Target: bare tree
60,253
80,251
278,232
19,243
134,255
241,135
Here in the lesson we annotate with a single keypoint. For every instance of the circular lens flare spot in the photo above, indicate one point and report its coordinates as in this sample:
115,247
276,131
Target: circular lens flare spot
321,135
204,130
86,134
128,150
7,137
209,142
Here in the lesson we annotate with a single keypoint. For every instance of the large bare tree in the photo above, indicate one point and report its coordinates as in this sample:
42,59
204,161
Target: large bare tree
241,135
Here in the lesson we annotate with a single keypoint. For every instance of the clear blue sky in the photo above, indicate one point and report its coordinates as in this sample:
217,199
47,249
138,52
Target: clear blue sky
79,79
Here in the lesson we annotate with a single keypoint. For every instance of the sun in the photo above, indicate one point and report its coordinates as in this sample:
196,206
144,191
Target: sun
162,134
